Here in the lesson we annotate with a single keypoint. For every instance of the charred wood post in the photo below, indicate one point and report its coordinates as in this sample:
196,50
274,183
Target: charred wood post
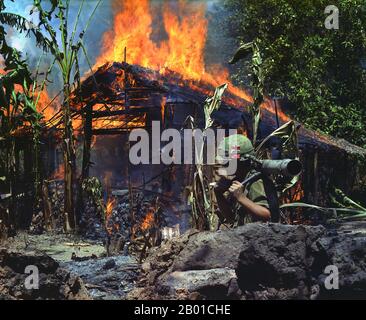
125,78
47,207
88,128
87,140
12,182
27,181
130,191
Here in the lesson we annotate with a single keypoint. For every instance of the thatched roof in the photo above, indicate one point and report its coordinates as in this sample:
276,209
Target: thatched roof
107,84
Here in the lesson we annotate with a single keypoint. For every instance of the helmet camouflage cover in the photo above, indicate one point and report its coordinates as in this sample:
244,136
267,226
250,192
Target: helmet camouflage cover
235,146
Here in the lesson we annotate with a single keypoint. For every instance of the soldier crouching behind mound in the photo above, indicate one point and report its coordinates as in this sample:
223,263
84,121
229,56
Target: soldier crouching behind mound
236,204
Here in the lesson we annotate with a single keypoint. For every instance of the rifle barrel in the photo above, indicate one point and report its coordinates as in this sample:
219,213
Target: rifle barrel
286,167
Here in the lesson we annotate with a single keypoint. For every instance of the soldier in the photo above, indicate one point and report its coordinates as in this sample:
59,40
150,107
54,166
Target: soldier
236,204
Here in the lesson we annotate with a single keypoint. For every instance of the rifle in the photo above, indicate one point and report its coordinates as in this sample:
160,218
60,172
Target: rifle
264,168
284,167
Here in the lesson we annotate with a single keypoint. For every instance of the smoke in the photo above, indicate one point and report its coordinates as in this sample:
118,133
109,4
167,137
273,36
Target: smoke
20,41
26,45
218,46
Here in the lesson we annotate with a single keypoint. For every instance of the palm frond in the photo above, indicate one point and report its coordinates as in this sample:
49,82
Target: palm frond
23,25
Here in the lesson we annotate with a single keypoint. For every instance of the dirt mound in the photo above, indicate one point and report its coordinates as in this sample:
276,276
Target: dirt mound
55,283
255,261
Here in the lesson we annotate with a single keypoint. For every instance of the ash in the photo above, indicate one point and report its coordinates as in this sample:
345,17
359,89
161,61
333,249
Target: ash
106,278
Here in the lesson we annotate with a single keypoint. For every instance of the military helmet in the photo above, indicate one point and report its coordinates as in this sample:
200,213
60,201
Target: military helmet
235,146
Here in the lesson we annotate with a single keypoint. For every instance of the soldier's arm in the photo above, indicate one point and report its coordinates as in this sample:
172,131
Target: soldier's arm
224,207
251,207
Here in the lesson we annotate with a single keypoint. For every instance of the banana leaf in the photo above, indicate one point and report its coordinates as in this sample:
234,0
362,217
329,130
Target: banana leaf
201,195
287,133
257,81
213,103
355,217
345,201
244,50
355,214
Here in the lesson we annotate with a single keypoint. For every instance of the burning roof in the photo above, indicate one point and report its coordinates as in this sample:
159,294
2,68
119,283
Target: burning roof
109,83
172,66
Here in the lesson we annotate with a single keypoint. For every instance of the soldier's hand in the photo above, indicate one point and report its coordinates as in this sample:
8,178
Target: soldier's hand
236,189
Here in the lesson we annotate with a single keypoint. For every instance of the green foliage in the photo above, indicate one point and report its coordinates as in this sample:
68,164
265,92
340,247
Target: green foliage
343,201
201,195
92,189
18,108
17,95
317,69
23,25
64,45
212,104
256,82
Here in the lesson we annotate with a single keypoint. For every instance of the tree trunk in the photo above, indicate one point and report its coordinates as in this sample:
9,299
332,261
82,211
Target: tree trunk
70,222
47,207
87,141
88,122
36,169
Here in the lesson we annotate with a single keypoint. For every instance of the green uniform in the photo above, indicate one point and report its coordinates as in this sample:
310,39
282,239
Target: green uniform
235,147
254,192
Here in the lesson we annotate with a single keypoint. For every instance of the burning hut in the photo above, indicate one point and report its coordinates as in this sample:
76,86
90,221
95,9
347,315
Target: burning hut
168,81
120,97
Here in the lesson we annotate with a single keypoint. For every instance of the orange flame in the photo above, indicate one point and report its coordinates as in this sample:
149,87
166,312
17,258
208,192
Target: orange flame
108,214
183,52
163,103
59,173
45,107
148,221
119,122
2,65
297,192
44,104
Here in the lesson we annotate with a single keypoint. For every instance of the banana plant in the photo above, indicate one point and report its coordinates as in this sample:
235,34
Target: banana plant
66,55
32,95
18,108
257,80
201,195
65,45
